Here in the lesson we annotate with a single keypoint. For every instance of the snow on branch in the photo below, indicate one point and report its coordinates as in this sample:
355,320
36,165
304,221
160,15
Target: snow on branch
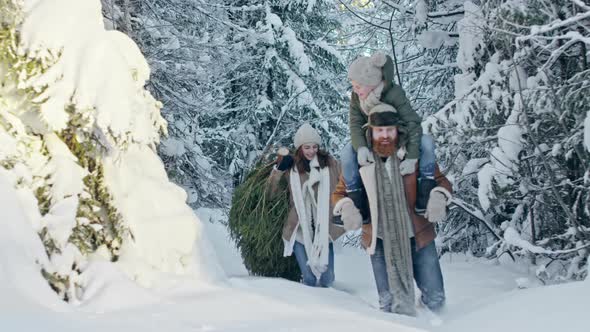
557,24
448,13
574,38
296,50
350,10
434,39
581,4
512,237
431,15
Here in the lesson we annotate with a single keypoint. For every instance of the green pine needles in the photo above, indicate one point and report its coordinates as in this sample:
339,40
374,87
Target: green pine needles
99,227
256,223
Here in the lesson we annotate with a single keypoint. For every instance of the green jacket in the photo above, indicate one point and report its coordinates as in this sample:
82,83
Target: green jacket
395,96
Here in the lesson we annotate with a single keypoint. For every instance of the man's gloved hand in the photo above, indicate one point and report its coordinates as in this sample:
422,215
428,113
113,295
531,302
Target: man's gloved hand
408,166
364,156
350,215
436,209
284,159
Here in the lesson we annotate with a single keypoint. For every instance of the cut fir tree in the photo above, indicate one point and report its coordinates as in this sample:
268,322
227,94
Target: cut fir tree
256,222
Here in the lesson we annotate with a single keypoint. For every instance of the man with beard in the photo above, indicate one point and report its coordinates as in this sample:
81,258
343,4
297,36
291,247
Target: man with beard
400,242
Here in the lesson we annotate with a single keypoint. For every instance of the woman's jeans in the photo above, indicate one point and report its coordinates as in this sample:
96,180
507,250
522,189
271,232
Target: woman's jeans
350,166
309,279
427,274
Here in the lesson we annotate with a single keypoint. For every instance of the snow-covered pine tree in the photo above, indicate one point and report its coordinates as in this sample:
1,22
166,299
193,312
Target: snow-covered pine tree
419,35
512,139
235,77
288,72
78,135
514,133
44,146
184,43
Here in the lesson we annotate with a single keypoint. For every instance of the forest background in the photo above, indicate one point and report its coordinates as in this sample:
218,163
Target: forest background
502,85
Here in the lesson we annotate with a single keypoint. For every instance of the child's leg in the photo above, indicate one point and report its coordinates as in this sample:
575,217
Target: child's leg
354,183
427,158
350,168
427,166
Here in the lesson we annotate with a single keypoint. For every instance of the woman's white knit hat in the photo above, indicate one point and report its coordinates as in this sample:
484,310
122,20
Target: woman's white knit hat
368,70
306,135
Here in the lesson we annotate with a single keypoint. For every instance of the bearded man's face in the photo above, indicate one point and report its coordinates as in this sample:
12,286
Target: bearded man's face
384,140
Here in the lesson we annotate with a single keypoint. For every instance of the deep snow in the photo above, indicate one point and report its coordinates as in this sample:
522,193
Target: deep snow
482,295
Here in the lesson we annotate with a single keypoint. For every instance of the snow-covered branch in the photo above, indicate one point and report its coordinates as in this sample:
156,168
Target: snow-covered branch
512,237
557,24
432,15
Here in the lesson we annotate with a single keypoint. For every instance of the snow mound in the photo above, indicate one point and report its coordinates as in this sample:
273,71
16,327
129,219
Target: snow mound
531,310
20,249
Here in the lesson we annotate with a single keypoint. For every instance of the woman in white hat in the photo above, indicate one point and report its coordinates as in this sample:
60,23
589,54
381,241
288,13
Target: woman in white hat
308,231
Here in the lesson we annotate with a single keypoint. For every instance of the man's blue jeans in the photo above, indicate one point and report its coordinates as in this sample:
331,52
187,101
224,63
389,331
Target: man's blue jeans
427,274
350,166
309,279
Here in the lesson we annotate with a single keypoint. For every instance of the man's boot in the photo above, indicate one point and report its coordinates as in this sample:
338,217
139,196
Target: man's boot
423,194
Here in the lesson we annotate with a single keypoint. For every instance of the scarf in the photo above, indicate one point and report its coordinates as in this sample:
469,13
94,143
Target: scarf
311,209
373,99
396,222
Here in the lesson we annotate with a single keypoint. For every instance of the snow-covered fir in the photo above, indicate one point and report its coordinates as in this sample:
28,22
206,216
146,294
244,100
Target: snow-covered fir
79,133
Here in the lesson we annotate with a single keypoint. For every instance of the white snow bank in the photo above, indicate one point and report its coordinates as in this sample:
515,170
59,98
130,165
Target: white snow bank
481,296
214,228
163,228
542,309
21,284
109,289
257,304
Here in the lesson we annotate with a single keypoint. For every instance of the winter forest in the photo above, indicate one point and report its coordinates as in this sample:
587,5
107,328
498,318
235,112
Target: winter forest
126,126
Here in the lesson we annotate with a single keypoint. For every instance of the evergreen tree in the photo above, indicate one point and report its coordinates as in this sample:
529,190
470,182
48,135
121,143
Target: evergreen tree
289,72
184,43
514,133
79,133
235,78
507,84
419,35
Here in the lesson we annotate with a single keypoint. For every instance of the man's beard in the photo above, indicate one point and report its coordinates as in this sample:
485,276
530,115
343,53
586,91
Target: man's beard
382,148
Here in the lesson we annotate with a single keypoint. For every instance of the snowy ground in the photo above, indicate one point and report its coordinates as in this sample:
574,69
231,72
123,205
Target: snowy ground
481,297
